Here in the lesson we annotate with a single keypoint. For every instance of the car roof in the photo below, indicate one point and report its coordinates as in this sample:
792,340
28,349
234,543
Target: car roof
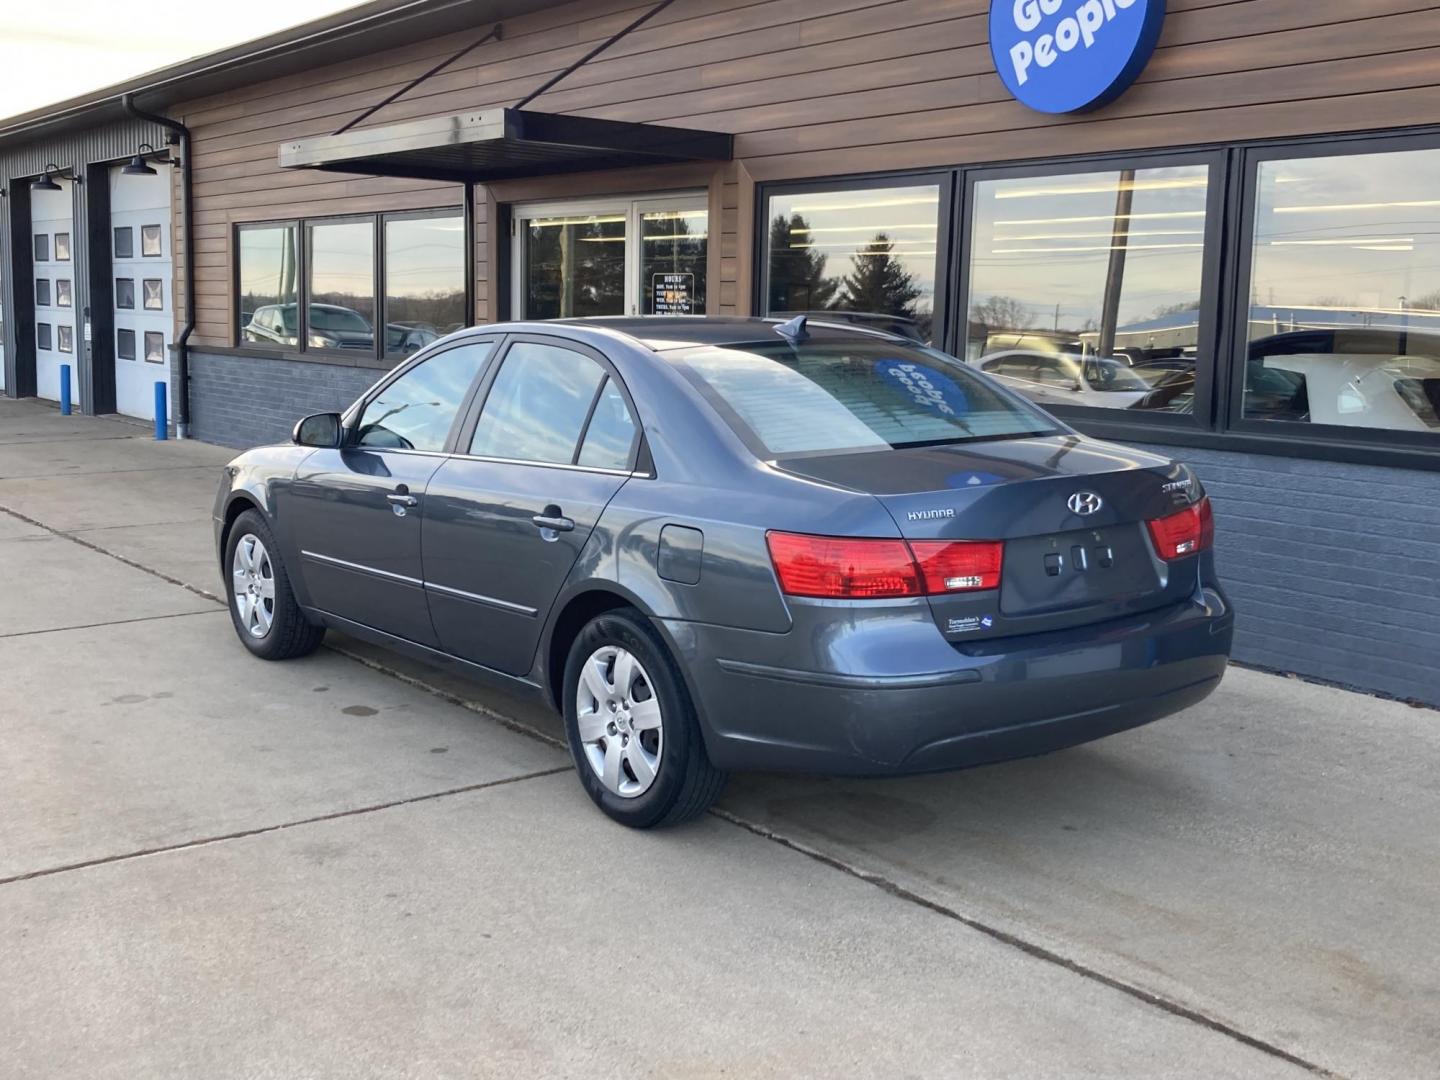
663,333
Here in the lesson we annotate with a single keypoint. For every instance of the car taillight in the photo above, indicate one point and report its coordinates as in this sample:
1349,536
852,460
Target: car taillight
1190,531
948,566
836,568
841,568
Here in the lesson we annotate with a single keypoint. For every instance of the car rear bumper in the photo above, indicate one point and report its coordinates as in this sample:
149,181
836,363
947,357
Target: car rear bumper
948,708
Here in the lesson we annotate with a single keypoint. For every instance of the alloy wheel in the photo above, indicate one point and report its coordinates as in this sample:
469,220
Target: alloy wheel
253,585
621,729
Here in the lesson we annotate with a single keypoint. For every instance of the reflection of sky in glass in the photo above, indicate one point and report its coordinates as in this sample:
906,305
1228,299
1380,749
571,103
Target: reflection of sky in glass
1359,233
1046,242
424,256
841,224
267,260
421,405
611,431
538,404
342,265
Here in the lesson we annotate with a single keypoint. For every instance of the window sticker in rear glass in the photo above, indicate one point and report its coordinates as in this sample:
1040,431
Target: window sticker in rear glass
924,386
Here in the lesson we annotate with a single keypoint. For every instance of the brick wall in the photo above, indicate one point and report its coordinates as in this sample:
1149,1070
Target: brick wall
245,401
1334,569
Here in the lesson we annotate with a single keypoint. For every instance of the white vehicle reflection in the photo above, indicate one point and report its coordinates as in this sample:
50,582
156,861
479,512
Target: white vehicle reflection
1397,393
1048,378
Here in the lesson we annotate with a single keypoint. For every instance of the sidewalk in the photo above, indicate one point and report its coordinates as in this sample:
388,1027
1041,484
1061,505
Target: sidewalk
351,865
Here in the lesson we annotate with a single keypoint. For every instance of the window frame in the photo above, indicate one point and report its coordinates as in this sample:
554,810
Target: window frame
465,434
1235,420
351,419
382,301
1220,427
1209,340
945,238
377,356
236,330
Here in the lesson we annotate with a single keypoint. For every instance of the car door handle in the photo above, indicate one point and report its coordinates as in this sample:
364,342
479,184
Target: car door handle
403,500
553,520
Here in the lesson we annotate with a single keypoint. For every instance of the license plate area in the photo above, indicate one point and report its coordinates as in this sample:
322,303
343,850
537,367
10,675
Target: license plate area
1075,569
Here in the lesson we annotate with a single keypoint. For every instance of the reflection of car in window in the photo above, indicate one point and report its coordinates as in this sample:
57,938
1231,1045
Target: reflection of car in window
1067,378
331,327
408,337
1362,377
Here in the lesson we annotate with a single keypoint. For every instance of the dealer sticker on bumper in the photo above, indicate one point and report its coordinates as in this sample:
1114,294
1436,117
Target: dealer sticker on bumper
970,625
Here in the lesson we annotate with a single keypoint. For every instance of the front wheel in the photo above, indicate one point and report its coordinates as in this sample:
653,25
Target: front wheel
262,605
633,731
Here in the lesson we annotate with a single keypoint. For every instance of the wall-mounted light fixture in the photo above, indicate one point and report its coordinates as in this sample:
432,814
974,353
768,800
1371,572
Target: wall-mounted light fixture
140,167
47,179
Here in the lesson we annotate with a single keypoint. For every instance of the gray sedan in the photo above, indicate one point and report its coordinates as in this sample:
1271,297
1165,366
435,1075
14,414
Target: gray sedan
720,544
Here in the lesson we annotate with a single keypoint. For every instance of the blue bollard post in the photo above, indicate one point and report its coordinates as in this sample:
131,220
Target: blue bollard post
64,389
162,427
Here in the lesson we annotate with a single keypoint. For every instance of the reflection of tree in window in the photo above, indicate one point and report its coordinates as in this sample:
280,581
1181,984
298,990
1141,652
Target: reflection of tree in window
880,284
797,271
674,242
1002,311
576,268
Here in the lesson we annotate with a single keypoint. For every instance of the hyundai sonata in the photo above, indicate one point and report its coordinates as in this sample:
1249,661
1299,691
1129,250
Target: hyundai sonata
719,544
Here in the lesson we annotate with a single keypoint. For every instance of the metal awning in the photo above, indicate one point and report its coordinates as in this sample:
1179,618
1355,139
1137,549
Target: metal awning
502,144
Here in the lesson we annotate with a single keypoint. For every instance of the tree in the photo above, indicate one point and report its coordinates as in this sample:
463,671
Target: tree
1002,313
880,284
797,270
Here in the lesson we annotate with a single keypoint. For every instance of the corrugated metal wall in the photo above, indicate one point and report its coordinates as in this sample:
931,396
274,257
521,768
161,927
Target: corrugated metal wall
116,141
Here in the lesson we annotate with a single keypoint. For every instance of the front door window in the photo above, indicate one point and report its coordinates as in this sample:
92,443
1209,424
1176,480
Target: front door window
627,257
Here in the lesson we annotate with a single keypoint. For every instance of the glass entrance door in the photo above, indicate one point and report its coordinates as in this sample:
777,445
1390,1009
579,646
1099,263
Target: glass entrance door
615,257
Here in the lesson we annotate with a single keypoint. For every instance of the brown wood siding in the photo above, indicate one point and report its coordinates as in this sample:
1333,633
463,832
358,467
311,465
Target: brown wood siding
858,86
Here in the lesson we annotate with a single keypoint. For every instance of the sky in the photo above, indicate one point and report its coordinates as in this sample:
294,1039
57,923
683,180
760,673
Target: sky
51,50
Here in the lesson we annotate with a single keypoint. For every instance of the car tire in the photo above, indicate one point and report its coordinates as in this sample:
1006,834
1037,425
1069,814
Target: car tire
262,605
633,731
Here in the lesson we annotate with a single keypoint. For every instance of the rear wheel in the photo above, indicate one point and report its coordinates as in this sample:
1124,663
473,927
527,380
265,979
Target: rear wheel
262,605
633,731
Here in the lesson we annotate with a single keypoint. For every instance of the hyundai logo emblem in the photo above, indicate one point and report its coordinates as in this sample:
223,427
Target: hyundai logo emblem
1085,503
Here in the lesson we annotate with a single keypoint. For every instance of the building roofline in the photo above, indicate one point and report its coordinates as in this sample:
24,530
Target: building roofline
342,35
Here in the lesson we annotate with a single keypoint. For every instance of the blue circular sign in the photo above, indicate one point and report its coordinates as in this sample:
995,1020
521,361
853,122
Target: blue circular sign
1065,56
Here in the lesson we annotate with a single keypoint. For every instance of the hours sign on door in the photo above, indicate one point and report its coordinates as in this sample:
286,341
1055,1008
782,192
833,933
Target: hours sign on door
673,294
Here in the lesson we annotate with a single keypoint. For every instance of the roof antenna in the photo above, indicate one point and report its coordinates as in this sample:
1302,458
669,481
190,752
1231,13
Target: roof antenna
794,331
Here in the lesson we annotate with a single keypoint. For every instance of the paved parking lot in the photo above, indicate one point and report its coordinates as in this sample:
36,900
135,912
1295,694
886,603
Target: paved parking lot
354,866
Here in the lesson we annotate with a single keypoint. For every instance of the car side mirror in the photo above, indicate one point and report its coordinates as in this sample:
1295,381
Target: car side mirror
320,430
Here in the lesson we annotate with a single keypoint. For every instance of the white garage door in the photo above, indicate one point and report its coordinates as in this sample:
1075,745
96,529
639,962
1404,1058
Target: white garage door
141,257
52,233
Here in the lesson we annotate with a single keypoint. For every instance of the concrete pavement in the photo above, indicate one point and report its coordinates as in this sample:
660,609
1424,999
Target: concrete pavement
346,866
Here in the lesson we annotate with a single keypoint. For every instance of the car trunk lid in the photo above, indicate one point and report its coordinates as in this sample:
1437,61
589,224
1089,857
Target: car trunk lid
1071,513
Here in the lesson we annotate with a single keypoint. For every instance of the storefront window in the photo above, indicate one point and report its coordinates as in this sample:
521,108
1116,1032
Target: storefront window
575,266
341,291
870,252
269,285
1085,288
1344,311
424,280
672,261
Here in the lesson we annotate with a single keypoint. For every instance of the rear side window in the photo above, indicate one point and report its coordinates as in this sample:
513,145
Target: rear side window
866,395
611,434
415,411
538,405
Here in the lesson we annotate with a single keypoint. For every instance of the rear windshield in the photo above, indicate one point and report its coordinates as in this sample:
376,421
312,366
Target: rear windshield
853,395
